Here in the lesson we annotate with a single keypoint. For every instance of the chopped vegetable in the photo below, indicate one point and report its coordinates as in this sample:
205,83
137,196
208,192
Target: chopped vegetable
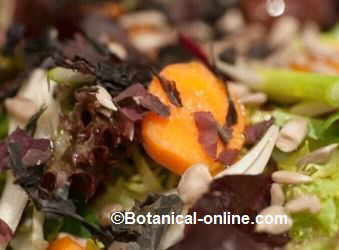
69,77
173,141
80,158
315,231
30,234
13,195
290,86
322,131
65,243
255,161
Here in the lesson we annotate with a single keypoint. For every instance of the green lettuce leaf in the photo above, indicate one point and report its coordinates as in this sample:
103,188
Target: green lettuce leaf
317,231
321,131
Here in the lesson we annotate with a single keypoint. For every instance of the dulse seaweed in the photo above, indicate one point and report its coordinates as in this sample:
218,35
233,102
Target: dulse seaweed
238,195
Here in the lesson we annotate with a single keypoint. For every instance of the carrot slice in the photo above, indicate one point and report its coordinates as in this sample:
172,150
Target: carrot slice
173,141
65,243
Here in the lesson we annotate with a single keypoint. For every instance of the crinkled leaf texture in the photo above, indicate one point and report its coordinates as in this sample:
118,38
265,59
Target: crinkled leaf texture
32,151
315,231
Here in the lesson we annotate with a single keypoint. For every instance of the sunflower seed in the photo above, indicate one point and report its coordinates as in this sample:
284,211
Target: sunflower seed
309,203
105,99
255,99
277,195
281,221
319,156
194,182
292,134
288,177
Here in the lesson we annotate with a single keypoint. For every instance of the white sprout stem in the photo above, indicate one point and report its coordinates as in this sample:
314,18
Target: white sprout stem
14,198
38,241
255,161
12,204
240,73
260,164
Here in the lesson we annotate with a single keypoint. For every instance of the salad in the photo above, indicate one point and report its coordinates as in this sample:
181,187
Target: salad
169,107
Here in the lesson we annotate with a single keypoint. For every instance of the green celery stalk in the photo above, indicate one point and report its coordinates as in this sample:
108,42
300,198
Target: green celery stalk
288,86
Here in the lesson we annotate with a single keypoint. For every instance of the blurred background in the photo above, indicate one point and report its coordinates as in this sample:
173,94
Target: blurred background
69,15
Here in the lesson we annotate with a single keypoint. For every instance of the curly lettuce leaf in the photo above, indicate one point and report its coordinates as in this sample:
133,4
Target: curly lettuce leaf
138,180
317,231
321,131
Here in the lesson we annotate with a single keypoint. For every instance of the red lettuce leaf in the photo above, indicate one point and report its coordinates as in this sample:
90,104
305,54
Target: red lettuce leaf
239,195
83,185
99,140
53,203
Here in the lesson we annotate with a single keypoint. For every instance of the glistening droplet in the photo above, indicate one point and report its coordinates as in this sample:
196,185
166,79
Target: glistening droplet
275,7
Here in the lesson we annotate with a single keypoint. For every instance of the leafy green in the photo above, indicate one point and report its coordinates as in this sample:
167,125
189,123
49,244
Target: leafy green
139,179
53,226
312,231
321,131
146,173
3,125
288,161
318,229
93,245
321,243
75,227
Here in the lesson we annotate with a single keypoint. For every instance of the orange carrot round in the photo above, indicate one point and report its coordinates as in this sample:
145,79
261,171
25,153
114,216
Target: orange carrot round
65,243
173,141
